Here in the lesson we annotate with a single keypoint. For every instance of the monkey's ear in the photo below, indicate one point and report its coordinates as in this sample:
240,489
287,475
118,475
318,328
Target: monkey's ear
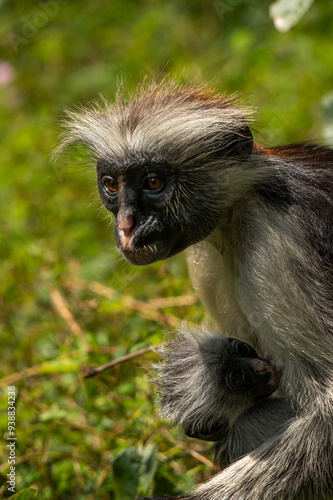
208,432
239,145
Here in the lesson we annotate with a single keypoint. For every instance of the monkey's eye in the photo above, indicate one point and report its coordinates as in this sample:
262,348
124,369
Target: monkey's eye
236,378
110,185
153,183
242,349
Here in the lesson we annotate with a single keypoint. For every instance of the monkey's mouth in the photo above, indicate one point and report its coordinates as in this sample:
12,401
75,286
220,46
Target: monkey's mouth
141,256
270,382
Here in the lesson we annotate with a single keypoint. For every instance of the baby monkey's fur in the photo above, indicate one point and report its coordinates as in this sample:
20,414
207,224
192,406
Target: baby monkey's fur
217,389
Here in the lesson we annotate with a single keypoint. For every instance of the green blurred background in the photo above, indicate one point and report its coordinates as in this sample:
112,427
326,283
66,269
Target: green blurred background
68,300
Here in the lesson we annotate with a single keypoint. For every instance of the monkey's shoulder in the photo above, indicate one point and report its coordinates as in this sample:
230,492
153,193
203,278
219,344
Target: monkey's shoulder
302,153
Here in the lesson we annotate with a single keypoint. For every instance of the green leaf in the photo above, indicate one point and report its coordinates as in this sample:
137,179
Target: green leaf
126,467
287,13
52,413
149,463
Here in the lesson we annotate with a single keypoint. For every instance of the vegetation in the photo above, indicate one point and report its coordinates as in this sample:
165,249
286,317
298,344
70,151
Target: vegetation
68,300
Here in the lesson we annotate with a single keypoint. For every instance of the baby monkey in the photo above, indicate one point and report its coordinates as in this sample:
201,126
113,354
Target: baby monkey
218,389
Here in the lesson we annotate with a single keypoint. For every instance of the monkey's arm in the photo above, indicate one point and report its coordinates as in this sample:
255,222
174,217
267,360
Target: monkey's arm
253,428
291,455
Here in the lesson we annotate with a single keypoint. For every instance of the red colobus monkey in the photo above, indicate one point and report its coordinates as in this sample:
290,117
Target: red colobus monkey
178,167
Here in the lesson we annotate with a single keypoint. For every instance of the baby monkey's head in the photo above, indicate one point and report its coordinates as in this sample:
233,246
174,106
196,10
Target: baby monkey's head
206,380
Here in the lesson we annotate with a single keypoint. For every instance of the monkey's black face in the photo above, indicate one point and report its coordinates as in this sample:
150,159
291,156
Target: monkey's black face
243,372
143,197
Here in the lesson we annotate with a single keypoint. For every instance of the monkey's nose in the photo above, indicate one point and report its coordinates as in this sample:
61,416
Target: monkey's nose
261,366
126,224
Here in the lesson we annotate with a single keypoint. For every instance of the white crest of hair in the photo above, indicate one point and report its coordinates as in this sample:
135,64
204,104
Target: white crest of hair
176,124
157,115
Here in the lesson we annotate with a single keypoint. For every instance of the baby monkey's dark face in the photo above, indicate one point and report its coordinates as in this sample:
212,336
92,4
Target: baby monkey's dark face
242,371
239,377
207,380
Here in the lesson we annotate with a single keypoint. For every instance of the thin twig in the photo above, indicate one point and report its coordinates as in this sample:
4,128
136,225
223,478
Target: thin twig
147,309
91,371
190,451
60,305
181,301
103,475
202,459
39,369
